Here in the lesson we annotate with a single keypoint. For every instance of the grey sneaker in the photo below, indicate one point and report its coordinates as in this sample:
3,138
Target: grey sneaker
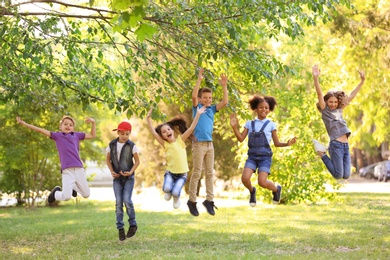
176,202
277,194
193,209
252,199
319,147
132,230
210,207
167,196
121,234
51,197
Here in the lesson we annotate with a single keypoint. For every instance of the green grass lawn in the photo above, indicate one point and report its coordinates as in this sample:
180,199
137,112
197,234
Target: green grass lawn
357,226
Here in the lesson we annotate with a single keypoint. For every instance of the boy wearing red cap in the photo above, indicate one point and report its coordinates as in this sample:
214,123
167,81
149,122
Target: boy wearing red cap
122,159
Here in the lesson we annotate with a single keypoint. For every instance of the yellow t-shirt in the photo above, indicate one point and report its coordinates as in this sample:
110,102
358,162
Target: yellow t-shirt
176,156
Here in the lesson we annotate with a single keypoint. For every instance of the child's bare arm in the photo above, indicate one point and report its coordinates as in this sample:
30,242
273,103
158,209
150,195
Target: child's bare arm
151,128
191,129
234,124
109,165
33,127
320,96
225,99
196,88
135,166
277,143
358,87
92,134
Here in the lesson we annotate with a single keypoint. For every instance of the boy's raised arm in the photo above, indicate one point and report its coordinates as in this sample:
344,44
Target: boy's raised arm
92,134
225,99
196,88
33,127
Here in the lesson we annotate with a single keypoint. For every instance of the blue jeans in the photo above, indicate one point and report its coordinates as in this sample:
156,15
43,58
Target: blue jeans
123,189
173,183
339,163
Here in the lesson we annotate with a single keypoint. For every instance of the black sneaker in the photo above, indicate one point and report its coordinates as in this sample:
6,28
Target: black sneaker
193,209
132,230
252,199
121,234
210,207
51,197
277,195
74,193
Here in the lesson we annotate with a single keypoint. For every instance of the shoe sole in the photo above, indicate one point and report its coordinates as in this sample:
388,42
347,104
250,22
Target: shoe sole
318,147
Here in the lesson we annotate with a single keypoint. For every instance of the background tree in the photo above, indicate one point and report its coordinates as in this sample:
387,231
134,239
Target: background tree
133,55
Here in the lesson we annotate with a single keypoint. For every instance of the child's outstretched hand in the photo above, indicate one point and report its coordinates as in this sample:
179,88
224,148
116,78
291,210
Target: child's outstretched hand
316,71
292,141
200,74
201,110
89,120
149,113
362,75
233,120
223,80
20,121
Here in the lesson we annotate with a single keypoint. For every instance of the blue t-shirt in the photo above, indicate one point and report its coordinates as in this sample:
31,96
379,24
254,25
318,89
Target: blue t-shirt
204,129
259,124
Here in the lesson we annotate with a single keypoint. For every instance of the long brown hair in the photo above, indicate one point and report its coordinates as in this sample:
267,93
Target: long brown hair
177,124
342,98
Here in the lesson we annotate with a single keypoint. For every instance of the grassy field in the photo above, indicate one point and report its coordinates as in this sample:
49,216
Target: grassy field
357,226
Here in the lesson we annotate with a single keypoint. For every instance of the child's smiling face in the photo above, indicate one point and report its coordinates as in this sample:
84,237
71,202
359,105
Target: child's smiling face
66,126
206,99
332,103
262,110
167,133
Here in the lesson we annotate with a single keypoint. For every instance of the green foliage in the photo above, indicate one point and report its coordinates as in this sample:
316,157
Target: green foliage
140,54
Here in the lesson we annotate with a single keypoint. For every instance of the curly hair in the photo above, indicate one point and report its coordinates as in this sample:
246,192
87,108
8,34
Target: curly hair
255,100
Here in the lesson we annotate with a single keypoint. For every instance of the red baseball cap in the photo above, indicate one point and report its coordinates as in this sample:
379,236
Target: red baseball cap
123,126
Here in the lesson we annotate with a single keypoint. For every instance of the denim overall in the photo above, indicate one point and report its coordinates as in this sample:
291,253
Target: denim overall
258,143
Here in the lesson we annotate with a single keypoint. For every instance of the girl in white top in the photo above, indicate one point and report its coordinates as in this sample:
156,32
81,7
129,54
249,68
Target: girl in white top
175,151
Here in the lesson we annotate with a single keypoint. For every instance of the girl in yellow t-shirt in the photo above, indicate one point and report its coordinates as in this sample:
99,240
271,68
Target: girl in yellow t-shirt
175,151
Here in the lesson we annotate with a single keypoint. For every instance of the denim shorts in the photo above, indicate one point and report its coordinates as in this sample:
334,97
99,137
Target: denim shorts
263,164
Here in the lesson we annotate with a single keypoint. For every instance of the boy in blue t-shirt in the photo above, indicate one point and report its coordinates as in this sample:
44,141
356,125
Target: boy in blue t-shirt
202,146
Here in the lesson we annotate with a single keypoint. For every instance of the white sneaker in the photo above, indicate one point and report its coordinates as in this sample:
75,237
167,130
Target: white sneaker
176,202
167,196
319,147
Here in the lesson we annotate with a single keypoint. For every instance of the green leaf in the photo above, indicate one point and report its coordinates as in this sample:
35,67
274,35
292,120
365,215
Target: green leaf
145,31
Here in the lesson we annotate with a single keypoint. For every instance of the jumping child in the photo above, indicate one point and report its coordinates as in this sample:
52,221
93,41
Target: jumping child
73,173
122,159
331,107
202,145
175,150
260,131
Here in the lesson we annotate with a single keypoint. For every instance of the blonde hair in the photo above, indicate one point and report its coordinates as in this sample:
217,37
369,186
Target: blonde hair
67,117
